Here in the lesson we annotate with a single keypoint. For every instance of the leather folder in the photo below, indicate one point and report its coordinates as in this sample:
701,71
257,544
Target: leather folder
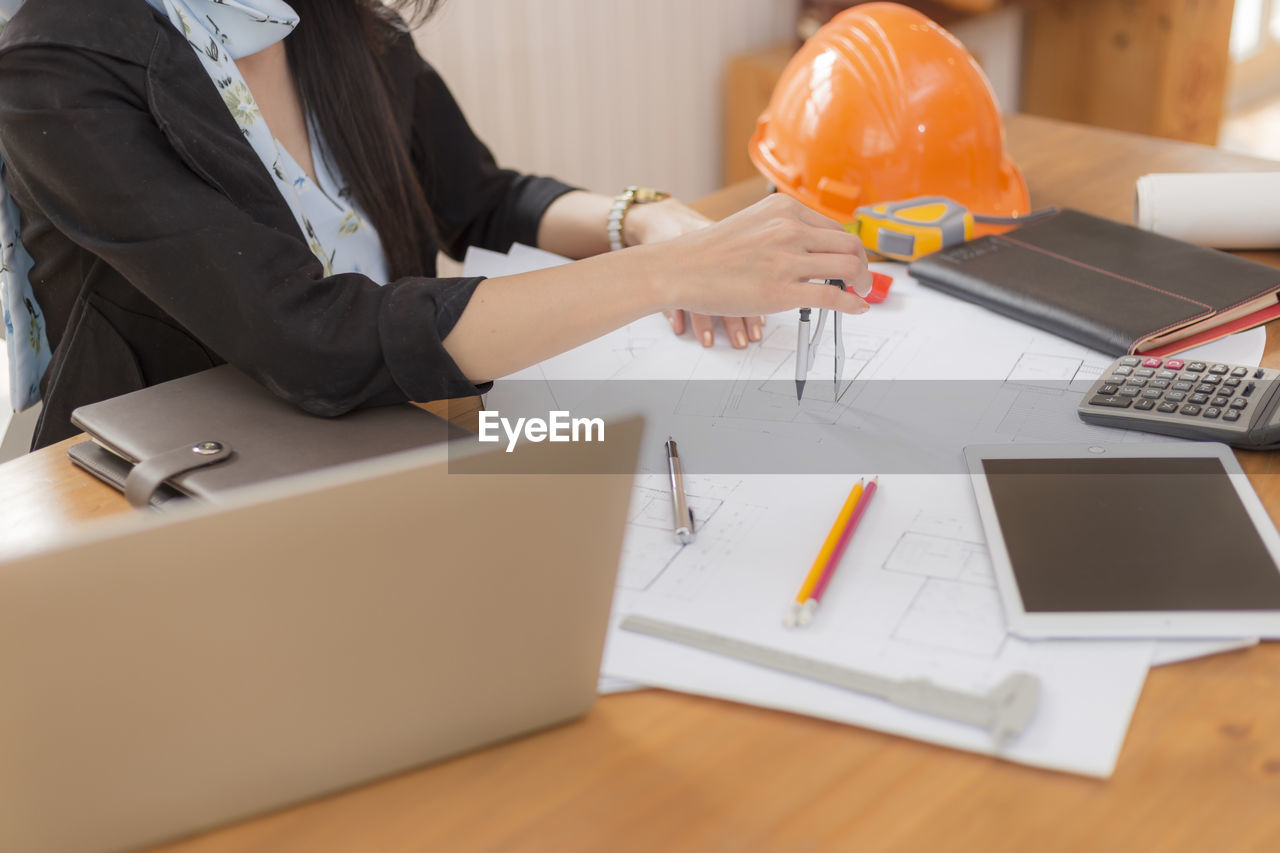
1109,286
203,434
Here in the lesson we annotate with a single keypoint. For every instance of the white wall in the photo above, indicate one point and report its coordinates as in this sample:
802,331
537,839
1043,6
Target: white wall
601,93
995,40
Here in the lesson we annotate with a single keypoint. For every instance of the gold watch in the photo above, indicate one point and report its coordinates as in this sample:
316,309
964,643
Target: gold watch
621,204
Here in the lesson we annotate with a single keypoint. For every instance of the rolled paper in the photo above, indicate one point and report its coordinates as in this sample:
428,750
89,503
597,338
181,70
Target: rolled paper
1222,210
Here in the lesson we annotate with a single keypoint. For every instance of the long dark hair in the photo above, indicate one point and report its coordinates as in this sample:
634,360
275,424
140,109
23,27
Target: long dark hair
336,57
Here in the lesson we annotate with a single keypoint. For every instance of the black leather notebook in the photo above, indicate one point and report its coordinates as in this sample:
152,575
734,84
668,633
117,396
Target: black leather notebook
215,430
1111,287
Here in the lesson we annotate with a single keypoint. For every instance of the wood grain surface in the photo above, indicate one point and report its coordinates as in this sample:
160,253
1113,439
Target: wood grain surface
1157,67
653,770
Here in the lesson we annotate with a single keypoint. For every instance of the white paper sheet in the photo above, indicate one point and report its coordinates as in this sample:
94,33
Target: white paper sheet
921,333
755,541
985,379
535,258
489,264
918,334
914,597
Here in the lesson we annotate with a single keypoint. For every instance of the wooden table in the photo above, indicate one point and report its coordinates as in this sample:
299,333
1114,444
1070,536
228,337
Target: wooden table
663,771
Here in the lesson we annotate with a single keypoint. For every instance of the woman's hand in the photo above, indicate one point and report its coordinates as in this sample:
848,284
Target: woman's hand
759,261
666,220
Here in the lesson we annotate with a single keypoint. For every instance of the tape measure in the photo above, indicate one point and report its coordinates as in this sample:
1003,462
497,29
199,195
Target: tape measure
909,229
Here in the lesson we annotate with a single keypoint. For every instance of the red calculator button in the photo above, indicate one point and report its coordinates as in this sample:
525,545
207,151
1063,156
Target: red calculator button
1152,362
1174,364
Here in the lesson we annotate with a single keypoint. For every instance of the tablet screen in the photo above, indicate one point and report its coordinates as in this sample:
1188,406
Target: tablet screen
1096,535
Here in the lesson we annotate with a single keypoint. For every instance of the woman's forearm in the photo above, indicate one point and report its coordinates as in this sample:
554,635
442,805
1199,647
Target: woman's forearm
575,225
758,261
515,321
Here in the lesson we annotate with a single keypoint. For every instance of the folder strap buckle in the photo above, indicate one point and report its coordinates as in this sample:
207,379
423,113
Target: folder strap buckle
147,475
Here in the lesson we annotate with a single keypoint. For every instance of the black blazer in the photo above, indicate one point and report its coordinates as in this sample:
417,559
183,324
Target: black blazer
162,246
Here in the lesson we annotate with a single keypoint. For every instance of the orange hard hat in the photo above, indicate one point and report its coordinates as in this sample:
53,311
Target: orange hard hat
882,104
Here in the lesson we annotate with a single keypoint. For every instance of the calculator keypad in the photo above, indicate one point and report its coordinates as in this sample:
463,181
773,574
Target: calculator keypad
1174,391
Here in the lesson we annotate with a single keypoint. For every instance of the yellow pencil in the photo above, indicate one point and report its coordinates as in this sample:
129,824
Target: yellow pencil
824,554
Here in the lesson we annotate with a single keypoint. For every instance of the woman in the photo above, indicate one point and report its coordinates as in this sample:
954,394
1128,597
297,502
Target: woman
267,184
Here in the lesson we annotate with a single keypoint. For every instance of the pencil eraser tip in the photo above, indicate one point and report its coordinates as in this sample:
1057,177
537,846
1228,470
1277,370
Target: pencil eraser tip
806,613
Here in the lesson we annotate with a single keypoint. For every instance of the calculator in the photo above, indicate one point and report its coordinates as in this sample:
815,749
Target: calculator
1231,403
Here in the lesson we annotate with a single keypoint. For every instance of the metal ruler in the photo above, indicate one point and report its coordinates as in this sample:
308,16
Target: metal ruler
1004,710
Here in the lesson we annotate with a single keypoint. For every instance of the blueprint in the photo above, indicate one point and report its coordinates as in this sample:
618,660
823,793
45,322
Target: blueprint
914,597
923,375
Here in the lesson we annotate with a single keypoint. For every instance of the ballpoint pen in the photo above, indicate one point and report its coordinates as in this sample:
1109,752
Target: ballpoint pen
682,515
807,347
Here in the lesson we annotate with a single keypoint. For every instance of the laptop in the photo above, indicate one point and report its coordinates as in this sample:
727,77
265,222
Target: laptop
161,674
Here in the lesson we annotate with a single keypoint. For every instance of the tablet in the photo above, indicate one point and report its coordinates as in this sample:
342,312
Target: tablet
1127,540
